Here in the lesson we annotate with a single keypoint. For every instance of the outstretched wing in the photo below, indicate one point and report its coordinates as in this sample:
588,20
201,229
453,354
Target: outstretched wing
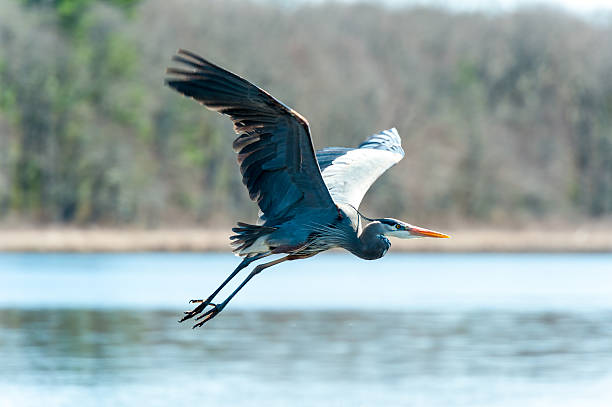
349,172
275,152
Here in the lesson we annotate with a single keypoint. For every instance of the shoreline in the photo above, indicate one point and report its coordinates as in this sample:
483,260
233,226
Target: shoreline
114,240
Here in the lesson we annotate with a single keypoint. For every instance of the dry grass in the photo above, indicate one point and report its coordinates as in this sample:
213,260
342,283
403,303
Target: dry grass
583,239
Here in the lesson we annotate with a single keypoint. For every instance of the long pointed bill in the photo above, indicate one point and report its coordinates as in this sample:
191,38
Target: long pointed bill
417,231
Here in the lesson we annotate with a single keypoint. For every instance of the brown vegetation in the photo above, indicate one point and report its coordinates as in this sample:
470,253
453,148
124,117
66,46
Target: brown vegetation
594,238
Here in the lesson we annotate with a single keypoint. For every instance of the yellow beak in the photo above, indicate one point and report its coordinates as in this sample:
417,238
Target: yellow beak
417,231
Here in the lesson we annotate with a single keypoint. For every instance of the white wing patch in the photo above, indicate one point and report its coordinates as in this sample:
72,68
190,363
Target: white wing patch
351,174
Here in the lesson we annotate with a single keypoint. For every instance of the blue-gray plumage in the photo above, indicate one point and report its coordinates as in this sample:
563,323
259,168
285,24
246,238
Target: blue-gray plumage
308,202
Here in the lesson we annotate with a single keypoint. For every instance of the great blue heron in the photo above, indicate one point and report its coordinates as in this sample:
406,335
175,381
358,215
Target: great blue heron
308,202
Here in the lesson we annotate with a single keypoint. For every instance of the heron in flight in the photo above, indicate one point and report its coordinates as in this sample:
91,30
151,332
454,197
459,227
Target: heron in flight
308,201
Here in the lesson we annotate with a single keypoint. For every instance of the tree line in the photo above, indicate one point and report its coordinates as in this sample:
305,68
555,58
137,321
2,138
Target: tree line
505,118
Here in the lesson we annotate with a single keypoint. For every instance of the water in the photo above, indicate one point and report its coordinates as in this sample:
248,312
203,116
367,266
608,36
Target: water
408,330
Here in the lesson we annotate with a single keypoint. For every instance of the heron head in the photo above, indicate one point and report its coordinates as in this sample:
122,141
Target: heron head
403,230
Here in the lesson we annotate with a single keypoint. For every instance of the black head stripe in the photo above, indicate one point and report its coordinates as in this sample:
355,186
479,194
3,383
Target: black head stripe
388,222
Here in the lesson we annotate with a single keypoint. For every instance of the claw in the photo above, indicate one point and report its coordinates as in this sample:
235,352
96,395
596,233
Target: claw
186,317
194,301
208,315
196,310
210,311
192,313
199,324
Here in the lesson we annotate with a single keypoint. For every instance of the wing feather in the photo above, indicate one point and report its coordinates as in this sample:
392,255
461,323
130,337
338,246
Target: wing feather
275,151
350,172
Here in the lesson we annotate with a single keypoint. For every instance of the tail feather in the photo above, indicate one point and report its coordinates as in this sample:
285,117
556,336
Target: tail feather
247,234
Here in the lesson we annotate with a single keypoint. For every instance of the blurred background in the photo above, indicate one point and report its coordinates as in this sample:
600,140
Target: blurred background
505,113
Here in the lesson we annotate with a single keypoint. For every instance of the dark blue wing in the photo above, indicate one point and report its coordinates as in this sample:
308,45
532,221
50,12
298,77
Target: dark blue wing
274,147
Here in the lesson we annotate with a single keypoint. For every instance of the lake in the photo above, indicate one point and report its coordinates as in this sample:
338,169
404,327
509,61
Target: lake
407,330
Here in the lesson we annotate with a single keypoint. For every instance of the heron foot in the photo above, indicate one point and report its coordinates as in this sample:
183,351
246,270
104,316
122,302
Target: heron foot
208,315
190,314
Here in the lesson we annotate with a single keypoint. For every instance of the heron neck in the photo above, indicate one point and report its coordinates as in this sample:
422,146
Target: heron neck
372,243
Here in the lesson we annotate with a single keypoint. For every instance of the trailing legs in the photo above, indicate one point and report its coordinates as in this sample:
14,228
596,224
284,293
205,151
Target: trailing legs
217,308
204,303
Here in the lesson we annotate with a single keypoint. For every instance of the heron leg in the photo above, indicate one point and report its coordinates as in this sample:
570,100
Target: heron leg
217,308
204,303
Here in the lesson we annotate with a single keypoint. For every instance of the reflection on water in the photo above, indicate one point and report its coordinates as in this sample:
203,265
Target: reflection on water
124,357
415,330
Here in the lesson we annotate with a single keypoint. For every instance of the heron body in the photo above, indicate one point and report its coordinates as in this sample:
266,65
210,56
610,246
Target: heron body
301,237
308,200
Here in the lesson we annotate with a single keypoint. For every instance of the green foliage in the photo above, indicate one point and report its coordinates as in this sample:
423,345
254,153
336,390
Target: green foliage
71,12
504,118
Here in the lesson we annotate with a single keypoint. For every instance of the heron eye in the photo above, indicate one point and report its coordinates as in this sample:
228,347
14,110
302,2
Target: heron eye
398,226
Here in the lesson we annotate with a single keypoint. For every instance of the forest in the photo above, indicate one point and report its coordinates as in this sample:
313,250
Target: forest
506,118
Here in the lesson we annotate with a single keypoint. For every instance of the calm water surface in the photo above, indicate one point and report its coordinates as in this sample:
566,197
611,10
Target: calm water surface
409,330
